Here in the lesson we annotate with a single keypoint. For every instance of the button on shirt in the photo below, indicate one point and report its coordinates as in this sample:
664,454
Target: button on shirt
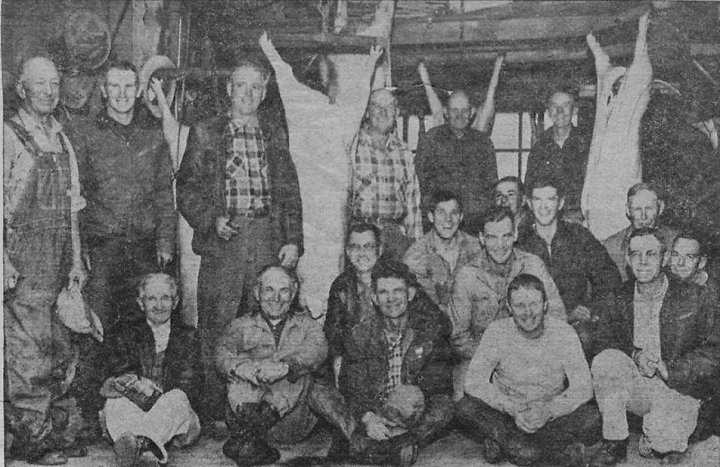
247,188
385,186
394,361
647,320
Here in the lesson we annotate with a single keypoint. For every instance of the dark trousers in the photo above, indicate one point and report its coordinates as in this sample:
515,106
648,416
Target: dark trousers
483,421
117,265
224,286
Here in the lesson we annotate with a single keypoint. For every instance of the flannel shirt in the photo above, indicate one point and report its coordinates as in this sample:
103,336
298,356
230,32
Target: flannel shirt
385,186
395,359
246,180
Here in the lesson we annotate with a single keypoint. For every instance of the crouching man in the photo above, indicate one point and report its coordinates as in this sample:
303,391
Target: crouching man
152,368
661,359
267,358
528,384
395,374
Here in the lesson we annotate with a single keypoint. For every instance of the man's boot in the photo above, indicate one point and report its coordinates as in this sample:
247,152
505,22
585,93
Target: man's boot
611,452
248,426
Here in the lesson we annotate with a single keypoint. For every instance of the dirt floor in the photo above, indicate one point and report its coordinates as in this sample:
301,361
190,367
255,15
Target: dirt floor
453,450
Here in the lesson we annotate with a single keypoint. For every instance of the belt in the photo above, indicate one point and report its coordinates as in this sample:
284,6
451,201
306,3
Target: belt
251,214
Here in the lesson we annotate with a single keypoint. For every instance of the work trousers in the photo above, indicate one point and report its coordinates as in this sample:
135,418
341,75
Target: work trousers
669,418
225,284
170,417
483,421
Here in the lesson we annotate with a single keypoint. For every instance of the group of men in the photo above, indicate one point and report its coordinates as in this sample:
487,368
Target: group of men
494,330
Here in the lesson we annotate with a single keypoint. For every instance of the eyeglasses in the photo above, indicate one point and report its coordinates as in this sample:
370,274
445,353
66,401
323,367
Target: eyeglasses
356,248
688,257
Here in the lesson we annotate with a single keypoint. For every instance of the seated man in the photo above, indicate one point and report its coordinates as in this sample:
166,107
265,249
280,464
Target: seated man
395,375
661,358
643,209
583,271
688,261
436,257
153,369
528,385
509,192
267,358
479,296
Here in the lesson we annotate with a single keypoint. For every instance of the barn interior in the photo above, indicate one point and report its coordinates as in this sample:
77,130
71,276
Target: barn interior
458,40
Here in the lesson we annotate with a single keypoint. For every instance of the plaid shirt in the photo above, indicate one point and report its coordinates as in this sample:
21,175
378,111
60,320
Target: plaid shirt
394,361
385,186
247,186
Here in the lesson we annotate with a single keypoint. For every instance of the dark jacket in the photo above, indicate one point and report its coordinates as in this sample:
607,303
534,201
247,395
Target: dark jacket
689,335
201,183
426,358
566,164
126,177
580,266
129,347
465,166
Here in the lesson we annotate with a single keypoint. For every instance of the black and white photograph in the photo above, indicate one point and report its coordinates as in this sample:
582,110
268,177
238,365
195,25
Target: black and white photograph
432,233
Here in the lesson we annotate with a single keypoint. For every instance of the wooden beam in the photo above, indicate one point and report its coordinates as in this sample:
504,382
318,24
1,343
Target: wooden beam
512,29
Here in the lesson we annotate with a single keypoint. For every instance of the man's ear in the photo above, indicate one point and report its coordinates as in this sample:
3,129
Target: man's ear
627,211
661,207
176,300
445,112
103,91
702,263
431,217
141,304
411,293
481,237
228,88
373,298
256,293
20,90
561,204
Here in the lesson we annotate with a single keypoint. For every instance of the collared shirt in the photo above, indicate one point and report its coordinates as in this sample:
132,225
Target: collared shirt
385,186
646,326
433,272
276,328
395,358
565,164
161,334
479,295
247,186
466,166
18,161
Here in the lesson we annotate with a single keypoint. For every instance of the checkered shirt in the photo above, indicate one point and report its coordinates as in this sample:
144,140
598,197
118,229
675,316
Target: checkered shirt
156,372
394,361
385,186
247,186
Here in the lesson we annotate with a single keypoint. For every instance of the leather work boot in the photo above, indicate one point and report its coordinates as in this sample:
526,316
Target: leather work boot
610,453
127,450
248,427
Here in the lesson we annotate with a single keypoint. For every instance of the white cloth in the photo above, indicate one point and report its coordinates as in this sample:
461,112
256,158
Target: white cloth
320,135
669,418
170,416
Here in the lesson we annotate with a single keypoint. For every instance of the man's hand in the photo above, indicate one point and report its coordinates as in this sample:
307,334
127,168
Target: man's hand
10,274
269,372
268,48
222,228
288,256
247,371
377,427
534,417
646,363
580,313
163,259
77,276
424,76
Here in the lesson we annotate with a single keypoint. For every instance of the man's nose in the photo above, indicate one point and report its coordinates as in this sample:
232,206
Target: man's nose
681,260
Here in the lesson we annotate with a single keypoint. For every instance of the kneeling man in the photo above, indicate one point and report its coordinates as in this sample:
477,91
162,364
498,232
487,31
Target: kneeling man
395,374
661,358
153,366
528,384
267,358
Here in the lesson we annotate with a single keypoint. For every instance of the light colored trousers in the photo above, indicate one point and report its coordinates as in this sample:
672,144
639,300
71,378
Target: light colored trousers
669,418
170,416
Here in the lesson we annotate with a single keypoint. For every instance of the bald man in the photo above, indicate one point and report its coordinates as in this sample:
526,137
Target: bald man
41,255
458,158
385,190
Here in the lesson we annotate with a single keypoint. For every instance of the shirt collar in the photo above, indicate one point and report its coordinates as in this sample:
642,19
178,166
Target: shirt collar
29,121
659,296
391,143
